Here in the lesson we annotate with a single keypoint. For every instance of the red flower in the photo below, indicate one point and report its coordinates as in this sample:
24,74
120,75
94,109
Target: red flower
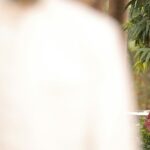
147,122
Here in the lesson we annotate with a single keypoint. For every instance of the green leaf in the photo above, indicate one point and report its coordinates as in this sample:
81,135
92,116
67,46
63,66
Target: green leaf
148,58
143,56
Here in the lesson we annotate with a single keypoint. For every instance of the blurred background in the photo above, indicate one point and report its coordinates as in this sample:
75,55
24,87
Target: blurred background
134,18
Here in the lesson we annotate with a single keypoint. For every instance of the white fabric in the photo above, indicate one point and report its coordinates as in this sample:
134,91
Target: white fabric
62,66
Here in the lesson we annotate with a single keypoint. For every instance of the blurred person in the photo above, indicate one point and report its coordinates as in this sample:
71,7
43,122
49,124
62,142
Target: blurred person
64,77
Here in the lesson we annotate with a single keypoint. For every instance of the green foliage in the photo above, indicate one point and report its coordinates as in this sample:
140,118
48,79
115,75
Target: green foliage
142,57
138,28
145,135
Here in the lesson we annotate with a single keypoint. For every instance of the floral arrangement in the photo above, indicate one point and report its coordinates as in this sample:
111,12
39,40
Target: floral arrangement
145,132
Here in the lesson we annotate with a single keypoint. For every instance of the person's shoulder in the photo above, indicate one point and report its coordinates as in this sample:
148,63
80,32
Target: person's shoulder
77,11
95,30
